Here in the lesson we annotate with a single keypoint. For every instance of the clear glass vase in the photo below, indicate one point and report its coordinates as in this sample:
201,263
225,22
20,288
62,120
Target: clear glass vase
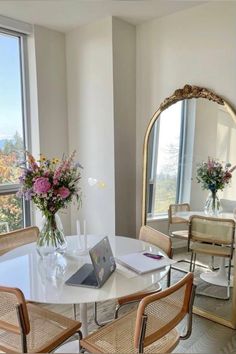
212,206
51,237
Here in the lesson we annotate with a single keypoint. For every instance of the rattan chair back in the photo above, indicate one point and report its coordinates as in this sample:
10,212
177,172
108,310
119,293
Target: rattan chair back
211,229
17,238
158,314
176,208
156,238
13,311
26,327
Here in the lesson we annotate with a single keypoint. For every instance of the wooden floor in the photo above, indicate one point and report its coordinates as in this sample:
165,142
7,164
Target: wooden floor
207,336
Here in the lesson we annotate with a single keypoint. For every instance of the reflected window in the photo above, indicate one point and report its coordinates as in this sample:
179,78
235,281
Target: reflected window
166,151
13,129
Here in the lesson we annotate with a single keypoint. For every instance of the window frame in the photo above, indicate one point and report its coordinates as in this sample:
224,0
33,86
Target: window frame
153,153
10,189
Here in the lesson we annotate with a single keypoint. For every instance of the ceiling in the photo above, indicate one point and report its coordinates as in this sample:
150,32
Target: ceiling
64,15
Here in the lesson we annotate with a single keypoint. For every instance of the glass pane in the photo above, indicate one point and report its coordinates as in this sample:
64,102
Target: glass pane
11,213
11,127
168,157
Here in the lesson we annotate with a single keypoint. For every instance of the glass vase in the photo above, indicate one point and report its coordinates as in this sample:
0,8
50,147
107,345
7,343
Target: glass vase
212,206
51,237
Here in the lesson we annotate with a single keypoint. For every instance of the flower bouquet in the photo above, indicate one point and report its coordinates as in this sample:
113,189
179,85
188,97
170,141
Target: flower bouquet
214,176
51,185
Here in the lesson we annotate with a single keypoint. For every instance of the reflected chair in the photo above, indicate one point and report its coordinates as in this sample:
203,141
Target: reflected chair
214,237
150,328
17,238
159,240
174,219
25,327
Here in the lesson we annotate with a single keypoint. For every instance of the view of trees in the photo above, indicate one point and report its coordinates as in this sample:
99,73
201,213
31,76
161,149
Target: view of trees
11,153
165,192
166,179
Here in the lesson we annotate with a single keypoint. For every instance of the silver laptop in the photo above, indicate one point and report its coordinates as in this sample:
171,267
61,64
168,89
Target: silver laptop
103,265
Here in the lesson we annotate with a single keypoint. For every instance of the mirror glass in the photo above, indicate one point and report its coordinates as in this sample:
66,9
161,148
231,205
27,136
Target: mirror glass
184,135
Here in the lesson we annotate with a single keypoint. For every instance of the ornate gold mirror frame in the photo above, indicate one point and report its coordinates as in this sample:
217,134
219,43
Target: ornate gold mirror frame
188,92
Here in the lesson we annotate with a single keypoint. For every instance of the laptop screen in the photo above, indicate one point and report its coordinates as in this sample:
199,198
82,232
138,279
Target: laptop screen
103,260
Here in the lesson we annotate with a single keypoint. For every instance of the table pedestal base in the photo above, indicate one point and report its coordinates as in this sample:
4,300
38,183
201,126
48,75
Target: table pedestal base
219,277
70,347
84,319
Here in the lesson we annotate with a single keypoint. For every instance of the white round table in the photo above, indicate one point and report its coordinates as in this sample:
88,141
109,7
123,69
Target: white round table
43,280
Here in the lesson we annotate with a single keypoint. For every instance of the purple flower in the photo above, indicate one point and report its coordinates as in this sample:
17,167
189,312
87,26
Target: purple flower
41,185
28,194
63,192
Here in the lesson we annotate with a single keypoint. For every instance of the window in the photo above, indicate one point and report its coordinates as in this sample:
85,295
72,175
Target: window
166,153
14,213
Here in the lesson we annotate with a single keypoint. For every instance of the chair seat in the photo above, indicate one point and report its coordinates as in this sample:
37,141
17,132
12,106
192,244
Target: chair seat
118,337
47,331
180,234
210,249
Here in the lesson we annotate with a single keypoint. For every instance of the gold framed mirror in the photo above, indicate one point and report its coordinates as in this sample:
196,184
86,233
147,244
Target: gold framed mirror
190,126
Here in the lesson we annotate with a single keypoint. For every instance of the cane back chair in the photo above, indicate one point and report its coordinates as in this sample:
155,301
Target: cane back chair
150,328
25,327
155,238
211,236
17,238
174,219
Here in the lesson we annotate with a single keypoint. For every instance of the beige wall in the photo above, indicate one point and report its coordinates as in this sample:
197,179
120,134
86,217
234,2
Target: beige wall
124,59
195,46
90,121
49,119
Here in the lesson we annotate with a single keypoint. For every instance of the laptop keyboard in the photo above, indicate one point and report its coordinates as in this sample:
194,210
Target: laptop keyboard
90,280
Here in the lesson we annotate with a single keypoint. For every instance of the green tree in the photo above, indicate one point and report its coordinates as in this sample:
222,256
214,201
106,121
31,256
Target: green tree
10,206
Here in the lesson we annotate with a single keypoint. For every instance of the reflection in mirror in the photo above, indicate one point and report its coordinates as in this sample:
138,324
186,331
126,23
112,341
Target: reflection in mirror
186,134
183,133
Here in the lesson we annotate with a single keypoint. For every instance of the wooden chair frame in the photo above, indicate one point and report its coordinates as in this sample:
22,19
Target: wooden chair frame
17,238
220,242
141,339
23,328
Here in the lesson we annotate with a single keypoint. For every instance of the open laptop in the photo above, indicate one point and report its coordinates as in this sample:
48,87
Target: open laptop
103,265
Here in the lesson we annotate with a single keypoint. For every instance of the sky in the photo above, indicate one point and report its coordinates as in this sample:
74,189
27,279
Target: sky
169,134
10,87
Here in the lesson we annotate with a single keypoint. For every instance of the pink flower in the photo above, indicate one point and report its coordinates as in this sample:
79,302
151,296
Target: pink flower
63,192
41,185
55,181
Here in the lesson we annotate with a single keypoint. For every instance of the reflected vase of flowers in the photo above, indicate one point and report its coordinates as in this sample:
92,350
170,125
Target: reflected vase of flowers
51,185
214,176
212,206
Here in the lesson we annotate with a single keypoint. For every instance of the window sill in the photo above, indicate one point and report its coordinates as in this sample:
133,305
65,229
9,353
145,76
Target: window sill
157,217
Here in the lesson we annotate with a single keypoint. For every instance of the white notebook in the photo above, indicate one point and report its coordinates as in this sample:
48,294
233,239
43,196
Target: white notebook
142,264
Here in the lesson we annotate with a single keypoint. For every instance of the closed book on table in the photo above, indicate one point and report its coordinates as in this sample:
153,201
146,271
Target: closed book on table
142,262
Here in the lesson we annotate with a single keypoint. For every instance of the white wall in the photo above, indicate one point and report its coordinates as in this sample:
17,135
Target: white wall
195,46
124,82
49,128
90,120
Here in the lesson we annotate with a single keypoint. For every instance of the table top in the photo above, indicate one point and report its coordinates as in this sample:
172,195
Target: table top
187,214
43,279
